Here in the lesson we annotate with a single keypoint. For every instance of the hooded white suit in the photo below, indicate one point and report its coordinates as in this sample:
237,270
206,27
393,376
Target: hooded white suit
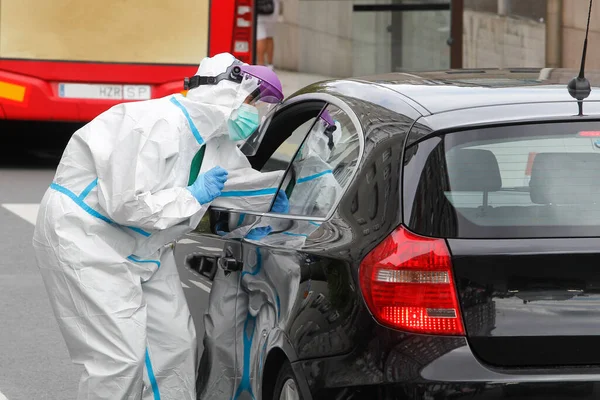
104,234
238,360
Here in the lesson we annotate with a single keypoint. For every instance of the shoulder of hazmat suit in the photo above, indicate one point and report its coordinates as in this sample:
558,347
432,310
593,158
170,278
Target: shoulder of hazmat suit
142,172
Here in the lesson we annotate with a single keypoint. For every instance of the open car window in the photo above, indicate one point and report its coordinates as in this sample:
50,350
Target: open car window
285,152
322,169
283,136
319,174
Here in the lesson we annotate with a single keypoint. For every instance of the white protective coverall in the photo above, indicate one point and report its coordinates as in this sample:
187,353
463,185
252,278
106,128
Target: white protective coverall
314,194
105,228
258,307
316,188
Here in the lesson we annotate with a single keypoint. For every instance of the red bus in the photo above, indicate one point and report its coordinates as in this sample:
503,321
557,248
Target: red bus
68,61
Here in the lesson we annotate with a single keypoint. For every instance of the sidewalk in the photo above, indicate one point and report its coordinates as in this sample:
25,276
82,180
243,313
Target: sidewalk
294,81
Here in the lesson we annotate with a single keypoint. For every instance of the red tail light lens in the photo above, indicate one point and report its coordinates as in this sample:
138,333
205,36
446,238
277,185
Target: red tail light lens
407,283
589,134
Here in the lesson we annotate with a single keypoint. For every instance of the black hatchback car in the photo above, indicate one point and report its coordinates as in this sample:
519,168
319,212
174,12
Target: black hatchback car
447,246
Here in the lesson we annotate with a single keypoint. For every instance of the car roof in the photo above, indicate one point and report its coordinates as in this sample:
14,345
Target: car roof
433,92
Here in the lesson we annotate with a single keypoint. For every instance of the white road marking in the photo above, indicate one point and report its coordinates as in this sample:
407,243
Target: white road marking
182,284
26,211
3,397
200,285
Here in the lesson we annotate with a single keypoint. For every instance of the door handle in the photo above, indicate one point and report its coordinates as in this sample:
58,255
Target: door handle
229,264
204,265
228,261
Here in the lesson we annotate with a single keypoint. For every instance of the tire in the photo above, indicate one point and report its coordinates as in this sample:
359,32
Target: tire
286,386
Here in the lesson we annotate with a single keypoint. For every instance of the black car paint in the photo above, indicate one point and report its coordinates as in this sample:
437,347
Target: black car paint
520,300
356,357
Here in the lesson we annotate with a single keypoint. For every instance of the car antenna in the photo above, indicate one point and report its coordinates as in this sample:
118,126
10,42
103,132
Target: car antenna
579,87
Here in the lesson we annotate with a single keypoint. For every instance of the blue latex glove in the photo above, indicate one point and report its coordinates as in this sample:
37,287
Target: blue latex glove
258,233
281,205
209,185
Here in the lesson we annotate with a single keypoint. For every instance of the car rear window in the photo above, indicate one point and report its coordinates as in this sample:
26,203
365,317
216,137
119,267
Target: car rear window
537,180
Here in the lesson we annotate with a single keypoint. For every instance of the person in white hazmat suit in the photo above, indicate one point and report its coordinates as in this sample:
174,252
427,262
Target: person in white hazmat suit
315,192
129,184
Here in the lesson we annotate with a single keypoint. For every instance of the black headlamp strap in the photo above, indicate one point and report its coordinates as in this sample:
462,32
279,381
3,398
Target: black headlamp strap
233,73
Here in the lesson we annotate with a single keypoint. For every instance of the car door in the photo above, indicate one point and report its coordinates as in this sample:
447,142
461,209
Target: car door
277,261
207,257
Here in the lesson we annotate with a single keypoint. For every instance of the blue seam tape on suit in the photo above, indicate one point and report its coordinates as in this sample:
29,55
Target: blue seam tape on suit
152,377
79,201
139,260
189,119
294,234
315,176
245,384
241,219
249,193
140,231
88,189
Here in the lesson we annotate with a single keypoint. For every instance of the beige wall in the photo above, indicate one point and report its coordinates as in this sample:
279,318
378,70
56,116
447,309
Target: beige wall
425,40
494,41
573,34
315,37
531,9
325,37
154,31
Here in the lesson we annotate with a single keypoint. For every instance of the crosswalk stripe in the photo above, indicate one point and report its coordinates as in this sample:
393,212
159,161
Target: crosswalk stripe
3,397
27,211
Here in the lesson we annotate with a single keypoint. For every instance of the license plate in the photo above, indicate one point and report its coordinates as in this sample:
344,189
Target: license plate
103,92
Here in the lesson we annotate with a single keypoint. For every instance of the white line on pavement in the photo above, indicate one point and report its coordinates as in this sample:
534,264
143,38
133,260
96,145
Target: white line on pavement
26,211
200,285
3,397
182,284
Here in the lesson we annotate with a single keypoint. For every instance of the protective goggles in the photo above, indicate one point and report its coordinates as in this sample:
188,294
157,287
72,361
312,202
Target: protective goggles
267,86
259,88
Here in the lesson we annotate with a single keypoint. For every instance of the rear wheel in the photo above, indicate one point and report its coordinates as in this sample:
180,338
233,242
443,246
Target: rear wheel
286,387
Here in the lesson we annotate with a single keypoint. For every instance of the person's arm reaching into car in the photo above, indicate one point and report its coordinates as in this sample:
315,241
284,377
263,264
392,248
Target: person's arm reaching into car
131,183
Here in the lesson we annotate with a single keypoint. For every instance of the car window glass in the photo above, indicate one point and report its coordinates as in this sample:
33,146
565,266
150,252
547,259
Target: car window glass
323,166
284,153
531,181
232,222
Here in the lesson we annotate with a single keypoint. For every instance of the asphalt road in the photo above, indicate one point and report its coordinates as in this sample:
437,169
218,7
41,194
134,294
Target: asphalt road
34,362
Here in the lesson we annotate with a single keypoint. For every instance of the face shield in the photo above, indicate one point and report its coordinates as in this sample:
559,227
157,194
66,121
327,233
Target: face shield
258,93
